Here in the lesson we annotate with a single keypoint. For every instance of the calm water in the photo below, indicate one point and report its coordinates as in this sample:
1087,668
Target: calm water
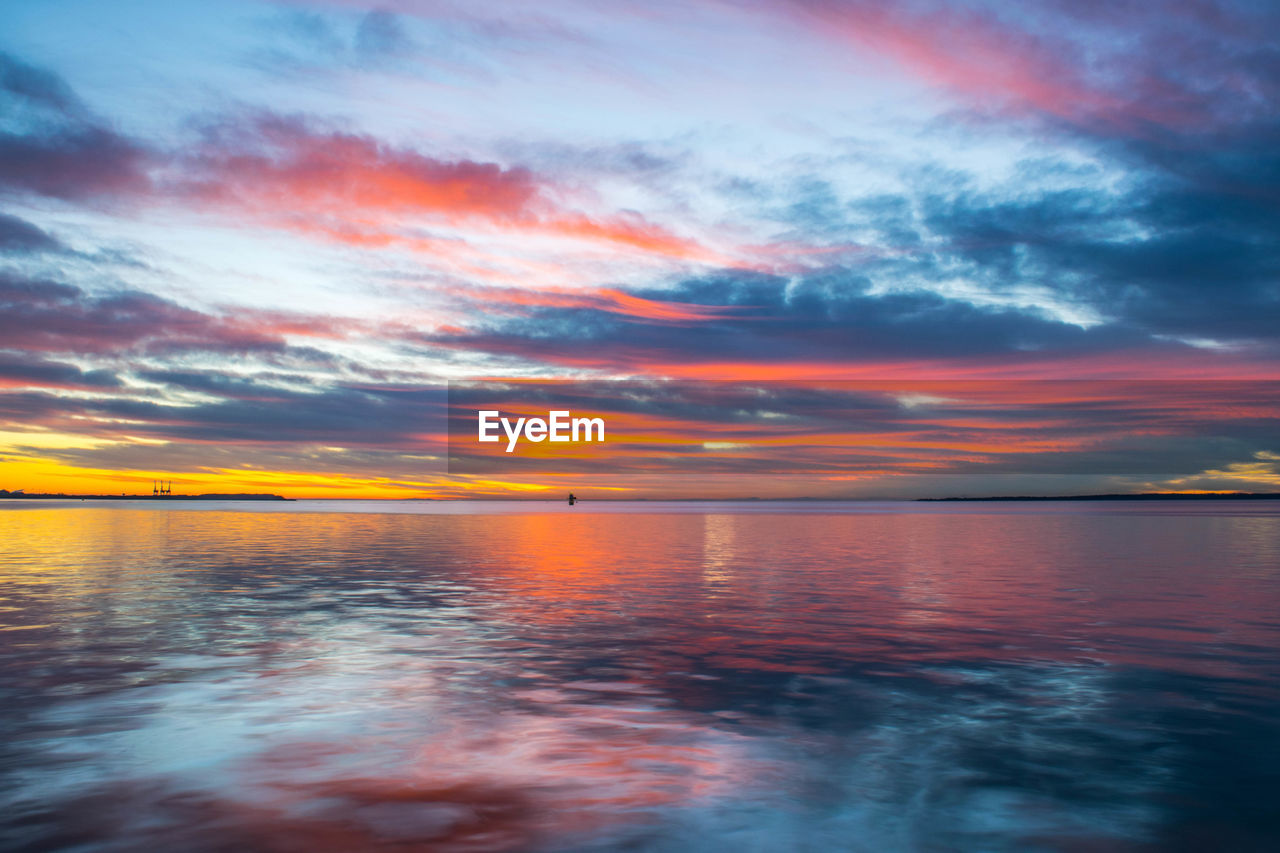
878,677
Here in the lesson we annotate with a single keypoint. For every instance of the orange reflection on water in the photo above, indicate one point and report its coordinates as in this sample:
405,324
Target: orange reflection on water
545,679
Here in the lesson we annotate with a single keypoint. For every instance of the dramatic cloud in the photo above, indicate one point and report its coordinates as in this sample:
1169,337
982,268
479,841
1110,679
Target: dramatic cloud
282,172
46,316
267,244
28,369
1115,68
823,323
355,189
1169,258
58,148
814,436
254,413
18,235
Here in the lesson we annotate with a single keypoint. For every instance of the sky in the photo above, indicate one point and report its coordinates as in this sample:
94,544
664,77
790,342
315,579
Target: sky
913,248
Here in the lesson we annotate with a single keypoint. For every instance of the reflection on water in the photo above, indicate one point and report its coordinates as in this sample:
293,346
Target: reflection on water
792,677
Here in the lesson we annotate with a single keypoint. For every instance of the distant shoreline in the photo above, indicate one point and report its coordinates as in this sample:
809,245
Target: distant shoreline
1146,496
52,497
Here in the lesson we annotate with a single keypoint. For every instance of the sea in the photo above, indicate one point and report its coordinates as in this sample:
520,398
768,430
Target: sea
639,676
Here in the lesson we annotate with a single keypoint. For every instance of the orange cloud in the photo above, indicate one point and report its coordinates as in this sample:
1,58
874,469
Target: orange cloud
358,191
608,299
981,58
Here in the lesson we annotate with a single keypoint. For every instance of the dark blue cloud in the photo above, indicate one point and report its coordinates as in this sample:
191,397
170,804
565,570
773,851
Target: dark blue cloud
1191,255
380,37
48,316
28,368
54,146
19,235
27,83
831,315
343,415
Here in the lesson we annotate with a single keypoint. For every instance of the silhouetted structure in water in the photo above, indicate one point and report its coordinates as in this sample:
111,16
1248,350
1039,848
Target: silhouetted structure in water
158,493
572,499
